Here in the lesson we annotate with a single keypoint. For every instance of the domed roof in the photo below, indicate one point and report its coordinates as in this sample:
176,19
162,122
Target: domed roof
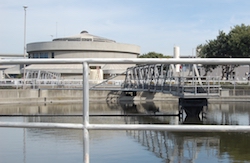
84,36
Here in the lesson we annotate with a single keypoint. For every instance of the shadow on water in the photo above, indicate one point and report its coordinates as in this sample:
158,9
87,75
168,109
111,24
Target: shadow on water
187,114
192,120
195,110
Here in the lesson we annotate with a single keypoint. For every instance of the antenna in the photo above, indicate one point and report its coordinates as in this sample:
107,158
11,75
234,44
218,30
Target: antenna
56,29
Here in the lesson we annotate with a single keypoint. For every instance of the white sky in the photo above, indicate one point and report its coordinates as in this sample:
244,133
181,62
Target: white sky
156,25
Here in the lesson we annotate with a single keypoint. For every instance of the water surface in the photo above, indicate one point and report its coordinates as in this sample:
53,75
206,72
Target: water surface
60,145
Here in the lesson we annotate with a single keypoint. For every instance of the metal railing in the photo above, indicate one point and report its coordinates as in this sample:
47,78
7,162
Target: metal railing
179,86
57,83
86,126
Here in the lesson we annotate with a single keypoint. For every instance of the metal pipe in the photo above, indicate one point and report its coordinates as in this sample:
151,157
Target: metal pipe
41,125
91,115
85,104
24,44
171,128
210,61
86,145
85,91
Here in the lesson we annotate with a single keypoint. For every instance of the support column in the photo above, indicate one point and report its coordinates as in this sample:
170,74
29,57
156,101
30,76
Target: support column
85,97
192,107
85,103
177,56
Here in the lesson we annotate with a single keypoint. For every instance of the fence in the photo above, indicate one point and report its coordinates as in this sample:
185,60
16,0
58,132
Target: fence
57,83
85,88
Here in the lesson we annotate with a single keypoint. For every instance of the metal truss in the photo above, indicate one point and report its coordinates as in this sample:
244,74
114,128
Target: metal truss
38,74
164,78
145,76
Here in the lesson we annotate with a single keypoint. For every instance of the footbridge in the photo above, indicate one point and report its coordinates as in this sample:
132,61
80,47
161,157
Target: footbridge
179,80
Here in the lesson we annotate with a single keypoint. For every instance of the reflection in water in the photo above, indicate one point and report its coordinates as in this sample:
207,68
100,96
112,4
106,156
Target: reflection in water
178,147
237,146
24,143
192,120
170,147
193,107
221,145
167,146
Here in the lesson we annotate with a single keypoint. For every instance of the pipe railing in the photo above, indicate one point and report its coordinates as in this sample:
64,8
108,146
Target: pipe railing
206,61
57,83
86,126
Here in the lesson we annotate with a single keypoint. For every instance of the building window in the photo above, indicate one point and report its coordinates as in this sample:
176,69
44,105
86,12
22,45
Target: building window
86,39
44,55
52,55
36,55
39,55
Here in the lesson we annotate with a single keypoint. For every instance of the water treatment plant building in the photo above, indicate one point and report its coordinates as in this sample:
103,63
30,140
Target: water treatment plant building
83,45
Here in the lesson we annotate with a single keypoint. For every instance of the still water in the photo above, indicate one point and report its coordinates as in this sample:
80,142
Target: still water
60,145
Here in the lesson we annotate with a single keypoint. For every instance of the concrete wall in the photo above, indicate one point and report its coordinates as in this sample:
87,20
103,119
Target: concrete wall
51,96
15,96
82,46
16,93
240,72
93,54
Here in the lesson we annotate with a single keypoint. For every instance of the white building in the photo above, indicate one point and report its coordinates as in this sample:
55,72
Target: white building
83,45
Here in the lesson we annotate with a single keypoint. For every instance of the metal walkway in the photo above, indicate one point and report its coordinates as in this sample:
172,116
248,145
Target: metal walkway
186,83
38,74
164,78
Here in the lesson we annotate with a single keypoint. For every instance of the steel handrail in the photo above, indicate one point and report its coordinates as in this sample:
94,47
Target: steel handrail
86,126
206,61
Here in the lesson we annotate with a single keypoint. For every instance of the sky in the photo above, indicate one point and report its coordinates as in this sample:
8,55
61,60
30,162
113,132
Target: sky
155,26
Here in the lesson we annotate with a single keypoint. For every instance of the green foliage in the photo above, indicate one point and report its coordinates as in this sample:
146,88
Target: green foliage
240,41
19,76
153,55
235,44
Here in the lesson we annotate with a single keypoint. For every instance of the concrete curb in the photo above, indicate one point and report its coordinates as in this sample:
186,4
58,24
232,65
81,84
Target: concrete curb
16,96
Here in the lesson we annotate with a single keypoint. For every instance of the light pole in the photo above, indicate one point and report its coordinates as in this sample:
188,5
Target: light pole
24,42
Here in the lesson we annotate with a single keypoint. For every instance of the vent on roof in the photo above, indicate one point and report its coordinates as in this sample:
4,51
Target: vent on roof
84,32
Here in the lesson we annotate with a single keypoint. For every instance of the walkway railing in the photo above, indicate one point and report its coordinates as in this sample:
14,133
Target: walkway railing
57,83
179,86
86,126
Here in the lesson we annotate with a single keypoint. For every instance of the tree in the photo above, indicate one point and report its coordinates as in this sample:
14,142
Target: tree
202,51
240,41
153,55
235,44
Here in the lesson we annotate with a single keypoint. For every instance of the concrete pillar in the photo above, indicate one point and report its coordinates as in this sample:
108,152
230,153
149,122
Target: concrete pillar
177,56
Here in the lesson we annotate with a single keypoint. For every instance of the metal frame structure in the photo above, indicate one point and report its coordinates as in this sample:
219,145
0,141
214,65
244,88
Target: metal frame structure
164,78
38,74
61,84
86,126
142,76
